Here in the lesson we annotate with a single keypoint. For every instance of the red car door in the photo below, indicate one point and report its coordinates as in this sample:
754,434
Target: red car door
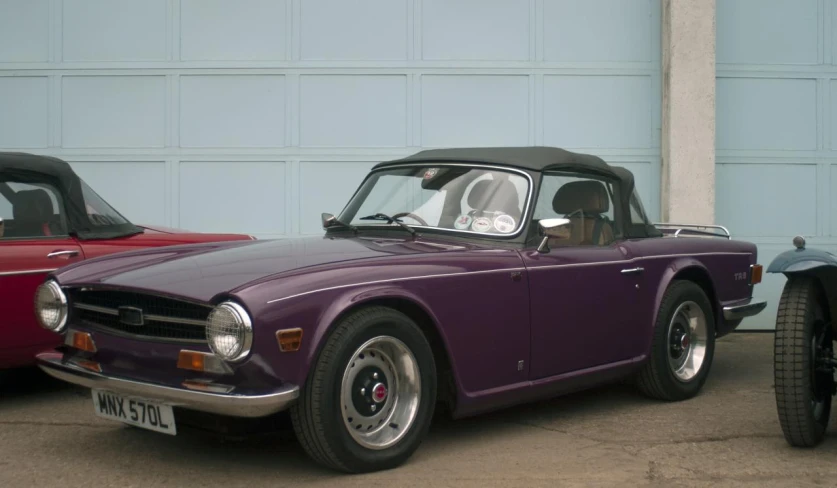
33,243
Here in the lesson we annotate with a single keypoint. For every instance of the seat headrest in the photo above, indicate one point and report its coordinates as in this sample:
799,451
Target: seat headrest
495,195
589,196
32,205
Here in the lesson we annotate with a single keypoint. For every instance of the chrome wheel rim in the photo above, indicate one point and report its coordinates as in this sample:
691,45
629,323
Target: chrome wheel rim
380,392
687,338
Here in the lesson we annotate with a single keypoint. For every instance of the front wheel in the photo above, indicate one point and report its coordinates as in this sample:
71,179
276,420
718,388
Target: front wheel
802,370
370,396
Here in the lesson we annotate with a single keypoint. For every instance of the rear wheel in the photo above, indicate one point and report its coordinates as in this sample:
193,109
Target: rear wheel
802,363
683,344
370,397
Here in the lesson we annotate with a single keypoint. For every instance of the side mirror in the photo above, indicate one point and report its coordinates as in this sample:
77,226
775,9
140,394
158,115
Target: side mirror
2,227
328,220
553,229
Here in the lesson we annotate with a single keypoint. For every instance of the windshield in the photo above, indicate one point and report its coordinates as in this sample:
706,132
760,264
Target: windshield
105,221
457,198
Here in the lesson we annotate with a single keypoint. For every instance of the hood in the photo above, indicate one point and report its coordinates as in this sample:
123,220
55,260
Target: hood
201,271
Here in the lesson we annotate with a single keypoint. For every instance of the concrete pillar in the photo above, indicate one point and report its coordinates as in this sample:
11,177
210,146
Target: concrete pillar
688,105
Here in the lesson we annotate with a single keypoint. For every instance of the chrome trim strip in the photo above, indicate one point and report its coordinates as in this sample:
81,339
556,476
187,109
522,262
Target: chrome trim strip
27,271
156,318
497,167
743,309
238,405
503,270
94,308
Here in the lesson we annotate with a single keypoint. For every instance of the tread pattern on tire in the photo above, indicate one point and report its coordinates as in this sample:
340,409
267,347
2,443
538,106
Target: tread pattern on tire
791,373
310,432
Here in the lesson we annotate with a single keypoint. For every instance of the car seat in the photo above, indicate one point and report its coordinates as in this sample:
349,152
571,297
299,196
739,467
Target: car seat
584,202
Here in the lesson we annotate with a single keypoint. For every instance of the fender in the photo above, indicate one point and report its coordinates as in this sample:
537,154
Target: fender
819,264
670,274
802,260
355,297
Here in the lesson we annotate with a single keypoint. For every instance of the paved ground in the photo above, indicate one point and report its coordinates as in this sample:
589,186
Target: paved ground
728,436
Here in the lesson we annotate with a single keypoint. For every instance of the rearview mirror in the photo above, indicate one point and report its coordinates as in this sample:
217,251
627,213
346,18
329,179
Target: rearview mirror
328,220
553,229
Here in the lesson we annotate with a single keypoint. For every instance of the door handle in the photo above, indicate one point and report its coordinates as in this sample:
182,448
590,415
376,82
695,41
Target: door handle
55,254
633,270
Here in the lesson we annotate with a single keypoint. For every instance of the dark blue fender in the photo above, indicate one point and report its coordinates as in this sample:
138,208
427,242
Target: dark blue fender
815,263
802,260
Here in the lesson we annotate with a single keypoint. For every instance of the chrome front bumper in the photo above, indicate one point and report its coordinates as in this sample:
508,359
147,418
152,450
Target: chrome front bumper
743,309
226,403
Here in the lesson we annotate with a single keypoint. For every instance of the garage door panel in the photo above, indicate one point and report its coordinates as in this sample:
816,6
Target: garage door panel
113,111
598,111
326,186
24,31
232,111
281,103
767,31
766,114
597,30
479,110
496,30
226,30
233,196
136,189
24,111
115,30
767,200
353,110
357,30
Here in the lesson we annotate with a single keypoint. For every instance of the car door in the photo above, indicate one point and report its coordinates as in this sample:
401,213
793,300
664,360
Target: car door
583,290
33,243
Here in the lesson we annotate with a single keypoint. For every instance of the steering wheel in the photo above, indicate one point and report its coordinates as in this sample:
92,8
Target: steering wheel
412,216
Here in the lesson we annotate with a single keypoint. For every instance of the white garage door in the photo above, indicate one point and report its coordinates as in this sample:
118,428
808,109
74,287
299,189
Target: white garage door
256,115
776,129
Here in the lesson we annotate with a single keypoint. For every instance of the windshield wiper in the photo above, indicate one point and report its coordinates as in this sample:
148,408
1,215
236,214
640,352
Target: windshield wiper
390,220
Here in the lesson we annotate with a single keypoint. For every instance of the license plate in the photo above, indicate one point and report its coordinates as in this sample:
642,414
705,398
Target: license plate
140,412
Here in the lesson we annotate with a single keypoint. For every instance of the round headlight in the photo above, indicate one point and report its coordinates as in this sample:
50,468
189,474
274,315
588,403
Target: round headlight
229,331
51,306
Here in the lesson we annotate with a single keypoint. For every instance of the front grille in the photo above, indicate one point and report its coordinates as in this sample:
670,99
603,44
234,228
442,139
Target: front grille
164,319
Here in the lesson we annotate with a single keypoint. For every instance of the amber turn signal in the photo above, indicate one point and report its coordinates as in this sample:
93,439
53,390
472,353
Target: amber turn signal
290,340
755,274
201,361
80,340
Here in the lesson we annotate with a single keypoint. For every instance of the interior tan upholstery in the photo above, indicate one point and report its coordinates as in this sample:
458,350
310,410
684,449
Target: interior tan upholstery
583,202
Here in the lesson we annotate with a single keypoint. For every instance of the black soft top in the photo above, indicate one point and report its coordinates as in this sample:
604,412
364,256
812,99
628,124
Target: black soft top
33,168
541,158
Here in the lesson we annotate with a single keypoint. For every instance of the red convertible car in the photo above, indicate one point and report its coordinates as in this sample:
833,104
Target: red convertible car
479,278
49,218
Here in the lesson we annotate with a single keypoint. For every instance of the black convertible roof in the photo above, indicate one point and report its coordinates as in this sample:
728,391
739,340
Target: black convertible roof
538,158
535,158
25,162
33,168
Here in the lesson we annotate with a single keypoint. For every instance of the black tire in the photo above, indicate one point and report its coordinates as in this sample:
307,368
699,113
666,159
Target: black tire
800,321
317,416
657,378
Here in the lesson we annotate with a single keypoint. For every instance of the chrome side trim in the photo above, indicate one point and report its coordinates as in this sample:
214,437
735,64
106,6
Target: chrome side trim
27,271
505,270
231,403
743,309
156,318
406,278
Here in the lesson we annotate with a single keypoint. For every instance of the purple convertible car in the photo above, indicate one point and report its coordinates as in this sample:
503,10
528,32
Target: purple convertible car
473,278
